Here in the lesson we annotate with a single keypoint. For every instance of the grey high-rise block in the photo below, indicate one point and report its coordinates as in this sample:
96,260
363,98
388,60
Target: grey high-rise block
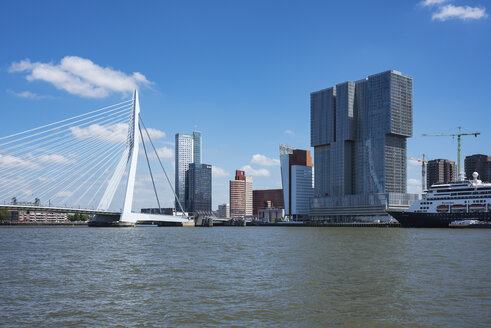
359,131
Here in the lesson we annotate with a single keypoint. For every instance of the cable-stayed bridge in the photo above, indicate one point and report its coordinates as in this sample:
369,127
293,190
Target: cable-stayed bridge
80,161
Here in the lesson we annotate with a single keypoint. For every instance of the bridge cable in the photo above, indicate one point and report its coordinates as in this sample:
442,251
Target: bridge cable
64,125
119,115
82,144
67,119
109,160
53,171
85,168
149,168
161,165
87,144
37,164
98,179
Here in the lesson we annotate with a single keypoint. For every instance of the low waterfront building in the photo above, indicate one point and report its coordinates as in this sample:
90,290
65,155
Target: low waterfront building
270,214
41,217
259,197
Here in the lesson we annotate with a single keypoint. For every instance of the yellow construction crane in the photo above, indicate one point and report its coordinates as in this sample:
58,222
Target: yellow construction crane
459,143
423,170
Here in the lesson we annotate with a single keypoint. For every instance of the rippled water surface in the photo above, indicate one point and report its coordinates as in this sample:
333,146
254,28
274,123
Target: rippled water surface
244,277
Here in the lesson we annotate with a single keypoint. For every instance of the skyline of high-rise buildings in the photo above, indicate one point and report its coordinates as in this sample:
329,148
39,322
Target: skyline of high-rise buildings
358,132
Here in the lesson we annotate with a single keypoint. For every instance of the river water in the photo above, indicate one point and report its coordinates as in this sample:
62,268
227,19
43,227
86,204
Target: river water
244,277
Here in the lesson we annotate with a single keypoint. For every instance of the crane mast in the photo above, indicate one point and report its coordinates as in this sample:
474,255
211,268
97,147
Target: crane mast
423,170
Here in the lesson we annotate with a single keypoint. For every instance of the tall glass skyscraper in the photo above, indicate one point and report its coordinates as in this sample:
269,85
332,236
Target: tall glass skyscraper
188,150
359,131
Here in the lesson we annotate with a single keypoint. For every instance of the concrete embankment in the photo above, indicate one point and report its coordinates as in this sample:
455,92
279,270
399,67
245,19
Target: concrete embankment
325,224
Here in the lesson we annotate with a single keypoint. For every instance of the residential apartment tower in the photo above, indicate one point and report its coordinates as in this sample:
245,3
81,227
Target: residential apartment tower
359,131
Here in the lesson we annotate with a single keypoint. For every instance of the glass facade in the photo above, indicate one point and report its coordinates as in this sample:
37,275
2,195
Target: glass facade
198,188
297,181
197,147
188,150
359,131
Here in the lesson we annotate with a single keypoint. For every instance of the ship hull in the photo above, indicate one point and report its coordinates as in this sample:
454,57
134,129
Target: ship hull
435,220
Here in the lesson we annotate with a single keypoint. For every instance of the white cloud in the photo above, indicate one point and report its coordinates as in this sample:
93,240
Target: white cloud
433,2
219,172
13,161
414,186
263,160
80,76
28,95
142,181
165,153
112,133
54,158
289,132
413,163
255,172
155,134
459,12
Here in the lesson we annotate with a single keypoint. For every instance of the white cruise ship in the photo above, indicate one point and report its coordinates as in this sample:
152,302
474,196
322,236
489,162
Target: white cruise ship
444,203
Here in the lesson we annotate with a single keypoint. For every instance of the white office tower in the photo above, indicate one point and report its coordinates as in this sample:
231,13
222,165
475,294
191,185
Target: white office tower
297,181
188,150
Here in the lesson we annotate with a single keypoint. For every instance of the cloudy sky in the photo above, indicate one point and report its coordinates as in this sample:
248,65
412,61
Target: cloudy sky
242,72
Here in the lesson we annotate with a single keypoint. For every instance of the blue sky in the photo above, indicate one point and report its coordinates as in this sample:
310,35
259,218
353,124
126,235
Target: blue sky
241,72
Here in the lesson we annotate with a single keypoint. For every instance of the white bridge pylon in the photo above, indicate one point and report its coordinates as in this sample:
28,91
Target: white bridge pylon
130,155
